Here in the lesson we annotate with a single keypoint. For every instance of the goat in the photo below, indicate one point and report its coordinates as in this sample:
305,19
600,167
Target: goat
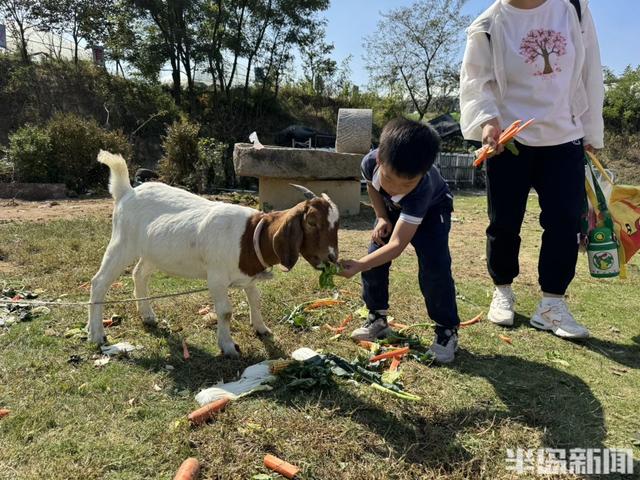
231,246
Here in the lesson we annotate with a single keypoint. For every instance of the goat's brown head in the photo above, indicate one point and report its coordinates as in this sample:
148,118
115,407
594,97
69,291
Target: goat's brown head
309,229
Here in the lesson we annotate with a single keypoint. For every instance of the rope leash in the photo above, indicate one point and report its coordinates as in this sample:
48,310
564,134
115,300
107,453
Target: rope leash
39,303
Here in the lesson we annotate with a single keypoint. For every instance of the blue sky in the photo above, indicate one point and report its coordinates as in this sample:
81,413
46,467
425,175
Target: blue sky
350,20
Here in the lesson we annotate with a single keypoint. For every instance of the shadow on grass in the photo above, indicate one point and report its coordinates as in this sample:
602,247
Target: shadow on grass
553,402
627,355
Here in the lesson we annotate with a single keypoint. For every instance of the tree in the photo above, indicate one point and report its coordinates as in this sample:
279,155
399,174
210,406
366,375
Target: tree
81,19
622,102
414,46
20,14
316,57
543,43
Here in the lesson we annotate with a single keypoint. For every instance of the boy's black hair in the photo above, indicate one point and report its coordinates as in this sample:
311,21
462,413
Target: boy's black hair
408,147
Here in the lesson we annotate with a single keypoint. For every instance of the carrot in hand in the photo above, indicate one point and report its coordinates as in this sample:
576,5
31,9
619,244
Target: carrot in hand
505,339
505,137
4,412
475,319
203,414
185,350
390,354
280,466
189,470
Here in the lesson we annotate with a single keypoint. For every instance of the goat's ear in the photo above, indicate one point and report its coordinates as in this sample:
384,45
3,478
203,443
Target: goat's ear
287,241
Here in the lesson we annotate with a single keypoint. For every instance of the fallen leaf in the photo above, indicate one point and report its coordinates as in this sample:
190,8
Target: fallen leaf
117,285
157,387
559,361
204,310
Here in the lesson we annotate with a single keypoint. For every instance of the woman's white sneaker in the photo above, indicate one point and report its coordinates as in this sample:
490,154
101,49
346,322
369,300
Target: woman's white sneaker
553,314
502,309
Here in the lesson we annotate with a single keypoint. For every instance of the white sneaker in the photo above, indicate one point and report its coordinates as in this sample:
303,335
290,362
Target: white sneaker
553,314
501,311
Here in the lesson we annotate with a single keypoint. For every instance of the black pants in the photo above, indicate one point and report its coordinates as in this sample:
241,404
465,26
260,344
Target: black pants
431,242
557,174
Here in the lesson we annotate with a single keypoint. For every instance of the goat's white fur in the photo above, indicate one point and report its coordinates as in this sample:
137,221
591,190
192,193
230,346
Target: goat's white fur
181,234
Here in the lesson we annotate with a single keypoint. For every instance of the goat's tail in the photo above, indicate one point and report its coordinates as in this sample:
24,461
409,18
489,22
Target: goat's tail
119,184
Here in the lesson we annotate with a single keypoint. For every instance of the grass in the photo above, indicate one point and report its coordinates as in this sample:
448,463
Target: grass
126,420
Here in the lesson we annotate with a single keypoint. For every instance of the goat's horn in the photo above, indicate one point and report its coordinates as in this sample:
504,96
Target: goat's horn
308,194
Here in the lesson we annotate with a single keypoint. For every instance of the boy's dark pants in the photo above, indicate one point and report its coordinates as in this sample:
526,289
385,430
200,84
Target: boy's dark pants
557,174
431,243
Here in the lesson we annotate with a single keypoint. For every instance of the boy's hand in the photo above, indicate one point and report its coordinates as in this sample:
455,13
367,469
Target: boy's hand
490,134
381,231
349,268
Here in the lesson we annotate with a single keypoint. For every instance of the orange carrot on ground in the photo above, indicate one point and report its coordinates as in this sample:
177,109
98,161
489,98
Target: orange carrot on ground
365,344
185,350
4,412
395,363
474,320
398,325
106,323
280,466
203,414
334,329
189,470
390,354
346,320
326,302
505,339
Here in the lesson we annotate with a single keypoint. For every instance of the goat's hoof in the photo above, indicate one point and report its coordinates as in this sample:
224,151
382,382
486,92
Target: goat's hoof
231,351
150,321
266,333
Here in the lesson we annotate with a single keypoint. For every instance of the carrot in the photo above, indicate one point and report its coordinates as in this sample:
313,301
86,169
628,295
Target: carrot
346,321
505,339
185,350
365,344
107,323
390,354
189,470
4,412
505,137
326,302
280,466
475,319
203,414
395,363
398,325
334,329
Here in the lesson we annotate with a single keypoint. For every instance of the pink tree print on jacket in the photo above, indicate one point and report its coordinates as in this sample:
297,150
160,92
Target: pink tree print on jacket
543,43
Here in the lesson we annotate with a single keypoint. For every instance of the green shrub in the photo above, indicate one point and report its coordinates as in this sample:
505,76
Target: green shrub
209,169
30,153
65,151
180,152
75,143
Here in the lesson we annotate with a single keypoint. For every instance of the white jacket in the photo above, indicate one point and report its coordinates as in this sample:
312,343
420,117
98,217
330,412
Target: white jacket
483,79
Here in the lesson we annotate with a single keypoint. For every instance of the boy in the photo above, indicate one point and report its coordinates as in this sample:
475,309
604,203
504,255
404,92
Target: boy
413,205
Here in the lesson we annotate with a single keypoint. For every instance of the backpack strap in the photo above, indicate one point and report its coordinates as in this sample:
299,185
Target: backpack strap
576,5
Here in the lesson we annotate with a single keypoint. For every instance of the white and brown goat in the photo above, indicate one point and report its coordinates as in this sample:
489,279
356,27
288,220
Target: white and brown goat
231,246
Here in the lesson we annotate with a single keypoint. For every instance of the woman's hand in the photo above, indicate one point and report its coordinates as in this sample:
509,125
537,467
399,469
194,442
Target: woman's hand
490,134
349,268
589,148
381,231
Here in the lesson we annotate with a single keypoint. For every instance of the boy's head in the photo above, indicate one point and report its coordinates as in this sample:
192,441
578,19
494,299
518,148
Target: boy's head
407,151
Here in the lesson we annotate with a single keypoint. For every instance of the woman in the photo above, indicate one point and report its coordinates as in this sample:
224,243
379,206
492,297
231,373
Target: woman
534,59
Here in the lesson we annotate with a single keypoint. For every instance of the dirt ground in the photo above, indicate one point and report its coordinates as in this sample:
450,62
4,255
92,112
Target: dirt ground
23,211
